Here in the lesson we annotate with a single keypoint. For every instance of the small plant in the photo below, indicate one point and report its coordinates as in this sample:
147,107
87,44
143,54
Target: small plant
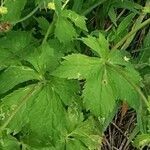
67,66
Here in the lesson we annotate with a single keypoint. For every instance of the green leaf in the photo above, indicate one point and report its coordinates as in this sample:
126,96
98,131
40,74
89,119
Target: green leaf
58,6
15,75
7,58
67,90
123,27
43,59
80,133
37,110
36,113
125,23
77,19
104,81
99,95
123,88
14,10
127,4
99,45
43,24
112,15
9,143
61,48
16,40
88,133
64,30
145,55
77,66
142,140
14,47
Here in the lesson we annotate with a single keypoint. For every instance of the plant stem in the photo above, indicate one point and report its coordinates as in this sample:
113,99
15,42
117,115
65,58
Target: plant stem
131,33
92,7
26,17
137,89
49,31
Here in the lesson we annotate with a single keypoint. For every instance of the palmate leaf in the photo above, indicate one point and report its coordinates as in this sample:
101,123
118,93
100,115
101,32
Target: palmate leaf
14,48
96,97
83,137
37,112
107,79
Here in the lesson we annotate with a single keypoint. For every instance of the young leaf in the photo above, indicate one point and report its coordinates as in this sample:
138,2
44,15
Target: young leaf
123,27
112,15
43,24
124,24
78,20
64,30
98,45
